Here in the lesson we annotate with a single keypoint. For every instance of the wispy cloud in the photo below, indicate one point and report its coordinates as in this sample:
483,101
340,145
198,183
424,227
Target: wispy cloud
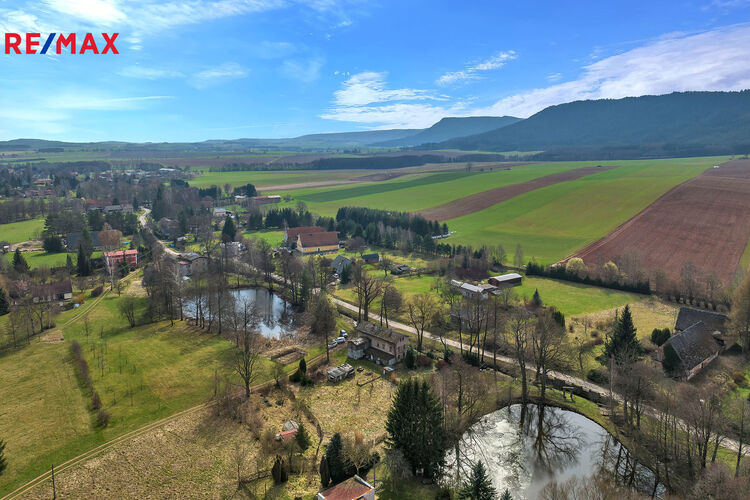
218,74
148,73
304,71
370,87
713,60
83,101
473,71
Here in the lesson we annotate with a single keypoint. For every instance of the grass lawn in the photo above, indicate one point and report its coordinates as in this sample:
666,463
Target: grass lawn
44,259
270,178
553,222
16,232
274,238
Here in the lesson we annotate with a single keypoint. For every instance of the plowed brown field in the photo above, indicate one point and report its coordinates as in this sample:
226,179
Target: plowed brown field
479,201
705,220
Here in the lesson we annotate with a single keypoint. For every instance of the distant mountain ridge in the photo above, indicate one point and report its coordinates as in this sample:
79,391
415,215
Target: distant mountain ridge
715,121
451,128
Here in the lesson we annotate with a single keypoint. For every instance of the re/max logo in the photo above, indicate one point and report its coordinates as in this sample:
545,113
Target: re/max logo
13,42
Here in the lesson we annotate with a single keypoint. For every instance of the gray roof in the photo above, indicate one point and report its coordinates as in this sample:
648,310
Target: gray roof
694,345
711,320
387,335
339,263
71,240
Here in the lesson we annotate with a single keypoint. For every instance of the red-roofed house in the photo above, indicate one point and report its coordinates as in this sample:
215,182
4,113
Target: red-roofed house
308,243
114,258
291,233
354,488
287,436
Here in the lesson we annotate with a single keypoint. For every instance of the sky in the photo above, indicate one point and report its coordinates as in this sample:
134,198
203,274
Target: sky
191,70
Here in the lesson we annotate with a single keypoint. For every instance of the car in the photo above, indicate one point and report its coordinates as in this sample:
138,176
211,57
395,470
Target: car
344,334
340,340
333,344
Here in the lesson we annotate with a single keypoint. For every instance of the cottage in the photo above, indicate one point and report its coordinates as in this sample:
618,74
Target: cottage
354,488
291,233
381,345
115,258
340,263
125,207
371,258
696,347
72,240
506,280
191,263
51,292
340,372
220,213
308,243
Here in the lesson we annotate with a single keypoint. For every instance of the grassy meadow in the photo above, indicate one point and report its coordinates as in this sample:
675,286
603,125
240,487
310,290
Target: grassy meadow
16,232
271,178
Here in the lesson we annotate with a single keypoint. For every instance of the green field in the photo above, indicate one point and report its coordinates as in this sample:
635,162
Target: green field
274,238
272,178
16,232
553,222
44,259
419,191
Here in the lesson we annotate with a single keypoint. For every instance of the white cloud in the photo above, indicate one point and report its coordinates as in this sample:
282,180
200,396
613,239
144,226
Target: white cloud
99,12
82,101
713,60
370,87
148,73
218,74
304,71
472,71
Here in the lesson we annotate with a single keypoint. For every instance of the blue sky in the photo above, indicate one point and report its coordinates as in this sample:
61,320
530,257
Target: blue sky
205,69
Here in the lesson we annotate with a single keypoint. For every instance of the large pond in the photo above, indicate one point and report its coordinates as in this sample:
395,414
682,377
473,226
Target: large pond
275,315
525,452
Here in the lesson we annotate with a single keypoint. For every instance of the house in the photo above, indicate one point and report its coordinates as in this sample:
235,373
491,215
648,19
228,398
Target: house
191,263
125,207
354,488
688,316
51,292
340,263
220,213
231,249
291,233
264,200
382,345
72,239
308,243
506,280
286,436
470,290
371,258
168,227
340,372
401,269
357,347
696,347
115,258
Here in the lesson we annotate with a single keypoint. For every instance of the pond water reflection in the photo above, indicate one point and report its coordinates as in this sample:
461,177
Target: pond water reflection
526,450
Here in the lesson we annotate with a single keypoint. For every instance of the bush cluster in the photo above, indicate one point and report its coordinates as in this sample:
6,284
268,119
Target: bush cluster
102,416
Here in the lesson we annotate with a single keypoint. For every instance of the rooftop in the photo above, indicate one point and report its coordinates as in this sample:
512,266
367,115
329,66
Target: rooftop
507,277
382,333
351,489
688,316
309,240
694,345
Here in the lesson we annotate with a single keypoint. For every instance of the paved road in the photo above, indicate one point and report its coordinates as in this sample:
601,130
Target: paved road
143,219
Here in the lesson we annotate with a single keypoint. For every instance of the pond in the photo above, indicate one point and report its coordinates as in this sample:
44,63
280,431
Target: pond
525,453
276,316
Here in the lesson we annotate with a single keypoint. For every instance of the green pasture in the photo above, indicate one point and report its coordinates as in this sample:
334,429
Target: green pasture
272,178
44,259
16,232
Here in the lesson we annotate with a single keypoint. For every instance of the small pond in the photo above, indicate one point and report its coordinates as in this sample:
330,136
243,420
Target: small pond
276,315
525,451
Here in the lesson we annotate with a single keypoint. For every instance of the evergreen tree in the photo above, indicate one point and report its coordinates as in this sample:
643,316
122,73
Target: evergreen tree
415,426
334,457
410,358
346,274
3,460
623,341
478,485
83,266
302,366
86,242
536,300
229,231
302,437
506,495
4,305
19,263
69,263
671,362
325,476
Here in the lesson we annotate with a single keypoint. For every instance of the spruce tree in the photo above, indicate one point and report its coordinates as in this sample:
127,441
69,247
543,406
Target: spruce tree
4,304
302,437
335,457
83,266
19,263
478,485
86,242
506,495
325,476
536,300
623,341
415,426
229,231
302,366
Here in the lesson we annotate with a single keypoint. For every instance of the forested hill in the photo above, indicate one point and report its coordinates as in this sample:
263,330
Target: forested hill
450,128
694,122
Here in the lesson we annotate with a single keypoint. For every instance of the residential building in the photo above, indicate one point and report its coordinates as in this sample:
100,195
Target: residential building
125,207
308,243
221,213
115,258
51,292
688,316
291,233
191,263
357,346
354,488
371,258
72,239
168,227
506,280
265,200
340,263
382,346
696,347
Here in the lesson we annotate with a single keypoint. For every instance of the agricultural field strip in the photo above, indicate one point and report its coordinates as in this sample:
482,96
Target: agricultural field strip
17,232
710,207
485,199
558,220
422,192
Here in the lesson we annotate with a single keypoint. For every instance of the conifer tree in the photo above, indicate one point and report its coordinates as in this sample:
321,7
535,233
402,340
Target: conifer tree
623,341
19,263
302,437
83,265
335,459
4,304
415,426
478,485
302,366
229,231
536,300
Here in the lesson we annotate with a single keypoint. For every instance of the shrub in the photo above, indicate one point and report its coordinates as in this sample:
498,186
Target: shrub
441,364
295,377
597,376
102,418
96,402
739,377
97,291
471,358
410,358
659,336
423,361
